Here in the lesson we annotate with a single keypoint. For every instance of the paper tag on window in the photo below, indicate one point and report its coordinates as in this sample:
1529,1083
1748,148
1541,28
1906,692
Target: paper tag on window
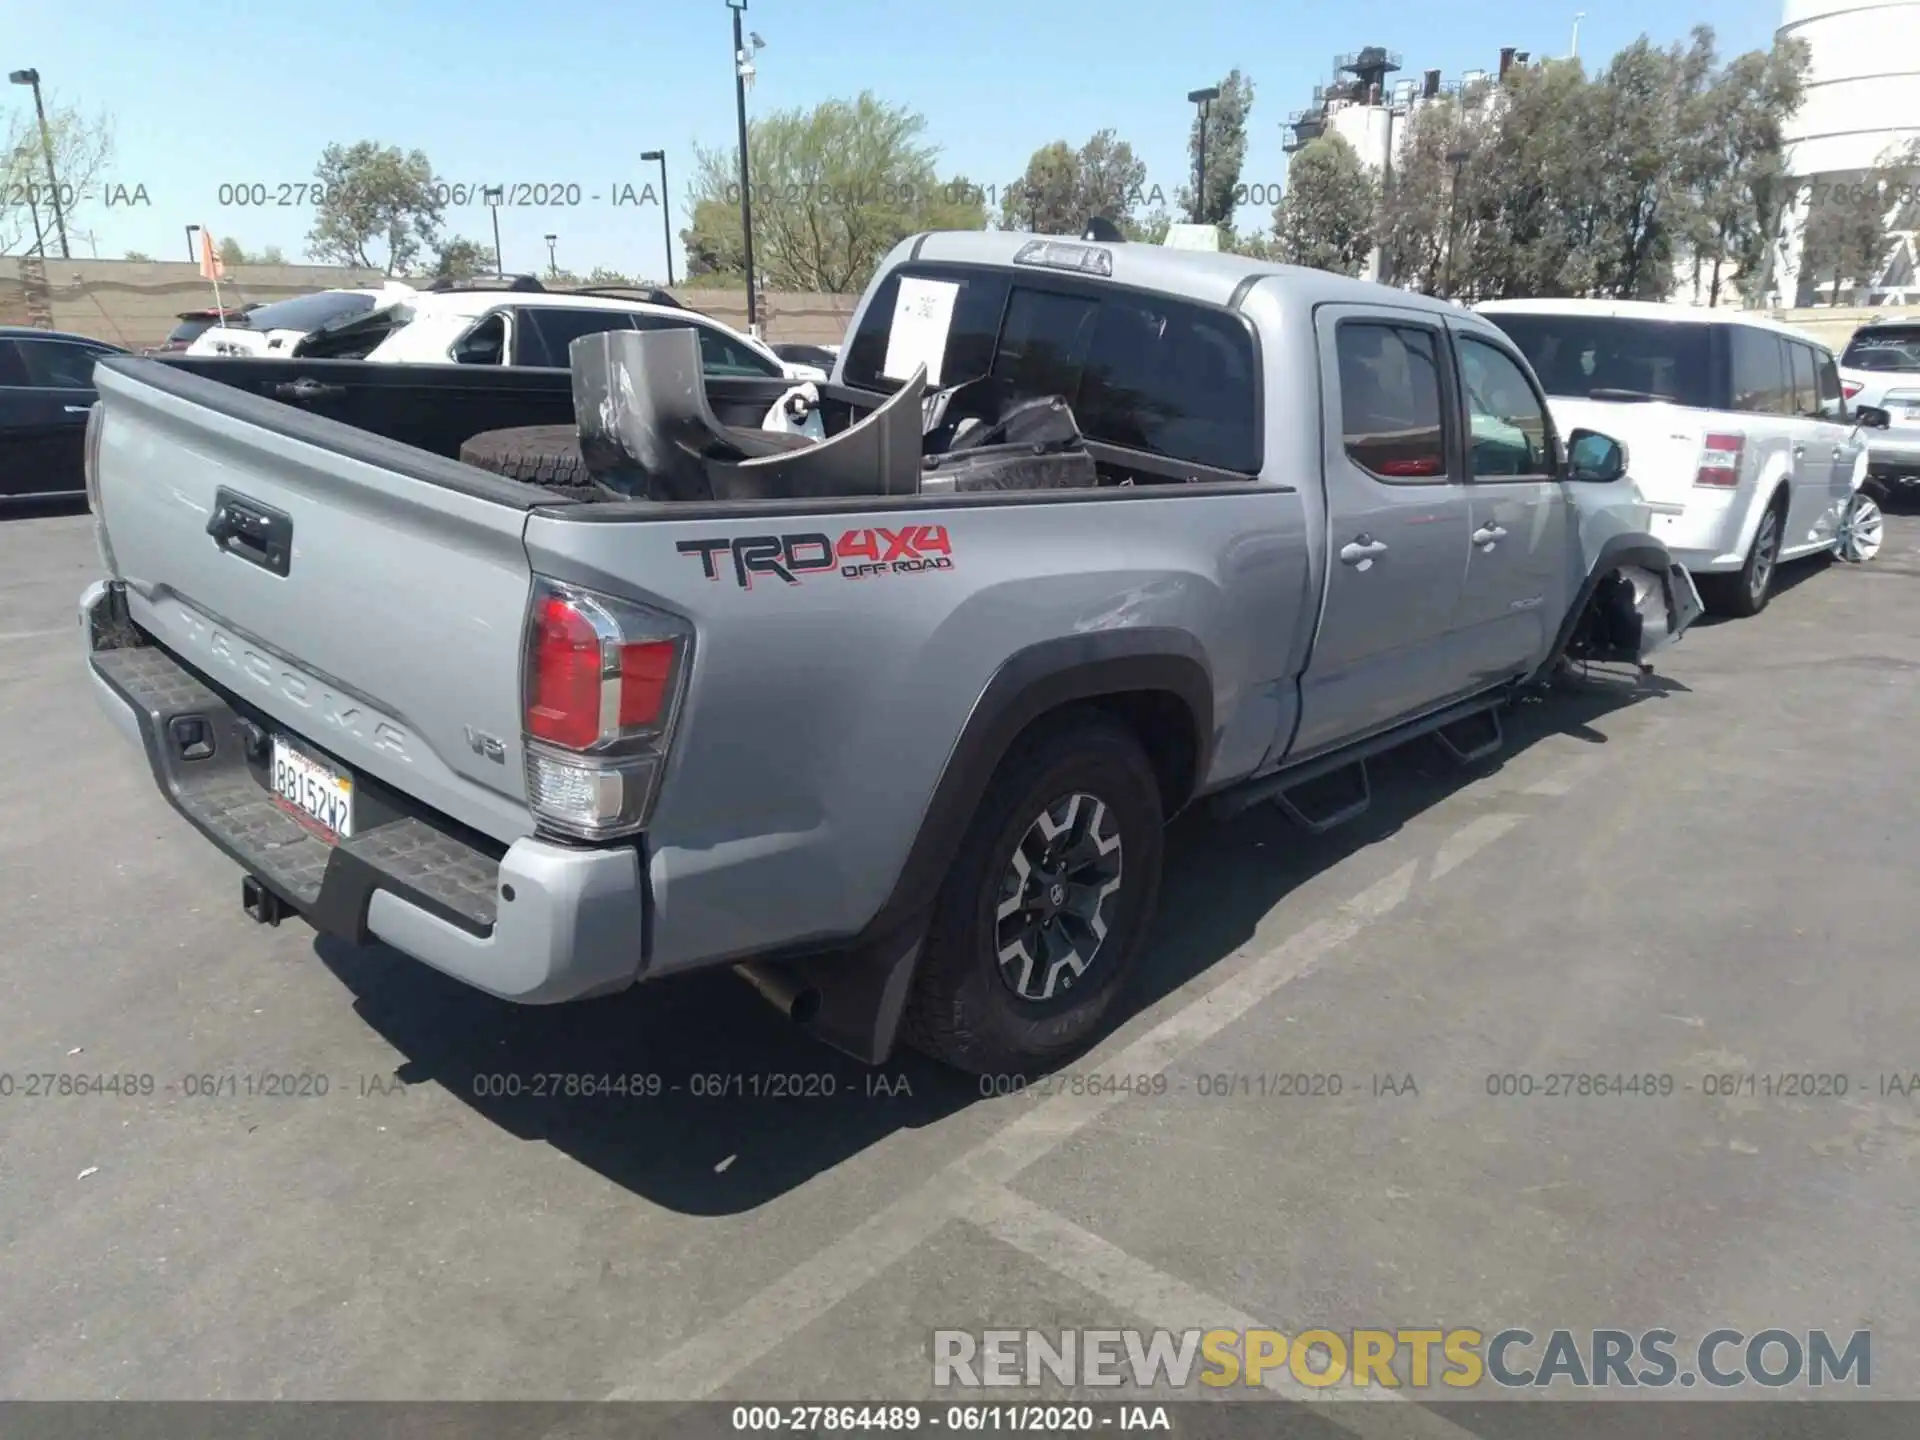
922,316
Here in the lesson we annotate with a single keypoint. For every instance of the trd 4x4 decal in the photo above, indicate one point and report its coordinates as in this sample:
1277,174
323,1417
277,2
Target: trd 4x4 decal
857,555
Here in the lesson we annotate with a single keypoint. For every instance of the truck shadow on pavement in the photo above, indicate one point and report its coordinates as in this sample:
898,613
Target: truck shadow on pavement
728,1105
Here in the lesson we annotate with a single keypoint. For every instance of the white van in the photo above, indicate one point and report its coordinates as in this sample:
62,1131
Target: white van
1737,433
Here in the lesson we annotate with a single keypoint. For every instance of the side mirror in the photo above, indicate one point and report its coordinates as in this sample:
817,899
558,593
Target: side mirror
1872,417
1595,457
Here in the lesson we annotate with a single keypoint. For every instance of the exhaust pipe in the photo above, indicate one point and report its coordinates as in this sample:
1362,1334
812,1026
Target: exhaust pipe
798,1002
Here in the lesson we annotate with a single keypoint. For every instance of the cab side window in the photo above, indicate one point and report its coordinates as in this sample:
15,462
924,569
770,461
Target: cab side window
1507,431
1390,412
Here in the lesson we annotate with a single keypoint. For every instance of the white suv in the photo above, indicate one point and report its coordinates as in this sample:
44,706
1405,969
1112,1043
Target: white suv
1881,367
518,323
1739,437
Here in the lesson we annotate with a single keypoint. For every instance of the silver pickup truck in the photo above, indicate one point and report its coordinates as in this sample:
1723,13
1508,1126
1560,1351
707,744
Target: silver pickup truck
899,747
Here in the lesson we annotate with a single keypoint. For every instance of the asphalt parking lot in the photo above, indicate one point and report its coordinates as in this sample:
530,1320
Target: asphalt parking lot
1708,875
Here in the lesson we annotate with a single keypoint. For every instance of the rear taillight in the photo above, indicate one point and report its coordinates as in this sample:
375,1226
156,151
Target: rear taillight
1851,388
1720,461
602,679
90,471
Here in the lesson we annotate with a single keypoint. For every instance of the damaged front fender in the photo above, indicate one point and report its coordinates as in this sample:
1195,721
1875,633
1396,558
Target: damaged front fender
1635,601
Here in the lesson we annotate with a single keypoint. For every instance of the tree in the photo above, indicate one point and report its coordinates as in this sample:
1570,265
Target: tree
138,257
232,252
601,275
272,255
1226,133
834,189
460,259
82,147
1736,167
1326,217
1063,188
1412,230
374,198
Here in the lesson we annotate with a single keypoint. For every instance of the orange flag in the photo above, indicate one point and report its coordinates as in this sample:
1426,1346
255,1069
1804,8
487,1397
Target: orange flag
210,266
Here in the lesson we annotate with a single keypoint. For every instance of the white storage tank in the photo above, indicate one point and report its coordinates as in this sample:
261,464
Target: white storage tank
1863,90
1862,100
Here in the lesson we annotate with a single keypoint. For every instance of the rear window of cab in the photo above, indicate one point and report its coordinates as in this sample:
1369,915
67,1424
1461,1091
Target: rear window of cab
1141,371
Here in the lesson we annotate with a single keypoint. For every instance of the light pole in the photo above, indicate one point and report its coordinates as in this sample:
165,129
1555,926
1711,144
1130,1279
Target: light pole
193,250
1578,16
553,268
666,210
493,195
32,77
1204,99
1457,158
743,72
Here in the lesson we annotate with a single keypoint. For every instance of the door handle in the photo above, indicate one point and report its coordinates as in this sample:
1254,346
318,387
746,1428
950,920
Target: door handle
308,389
1799,452
250,531
1360,550
76,409
1487,534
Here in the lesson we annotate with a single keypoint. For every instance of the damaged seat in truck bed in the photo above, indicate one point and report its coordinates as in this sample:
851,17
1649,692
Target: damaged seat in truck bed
645,429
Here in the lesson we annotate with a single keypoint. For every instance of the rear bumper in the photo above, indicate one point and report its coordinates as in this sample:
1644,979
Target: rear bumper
537,923
1702,532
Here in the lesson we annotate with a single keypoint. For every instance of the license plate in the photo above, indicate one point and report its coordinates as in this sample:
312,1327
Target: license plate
311,790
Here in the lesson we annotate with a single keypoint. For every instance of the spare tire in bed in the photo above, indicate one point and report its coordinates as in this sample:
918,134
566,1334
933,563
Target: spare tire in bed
549,455
545,455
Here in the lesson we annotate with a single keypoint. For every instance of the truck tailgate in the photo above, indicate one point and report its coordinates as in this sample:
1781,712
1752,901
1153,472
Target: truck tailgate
385,631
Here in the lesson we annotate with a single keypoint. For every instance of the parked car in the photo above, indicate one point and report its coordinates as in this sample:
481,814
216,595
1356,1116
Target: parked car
1880,368
195,323
46,390
518,324
900,754
1739,433
277,327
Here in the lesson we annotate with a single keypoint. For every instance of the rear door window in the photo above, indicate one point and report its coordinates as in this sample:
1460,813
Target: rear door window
1390,411
1760,383
1805,400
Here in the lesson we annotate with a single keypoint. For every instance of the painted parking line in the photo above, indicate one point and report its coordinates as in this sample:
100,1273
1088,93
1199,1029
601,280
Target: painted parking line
701,1365
1165,1302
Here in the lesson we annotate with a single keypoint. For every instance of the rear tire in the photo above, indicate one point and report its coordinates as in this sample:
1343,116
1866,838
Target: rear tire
1027,948
1745,592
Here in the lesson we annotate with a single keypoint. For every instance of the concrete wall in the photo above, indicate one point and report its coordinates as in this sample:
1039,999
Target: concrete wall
136,304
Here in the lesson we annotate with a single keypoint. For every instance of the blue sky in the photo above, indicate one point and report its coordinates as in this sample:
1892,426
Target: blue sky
569,92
